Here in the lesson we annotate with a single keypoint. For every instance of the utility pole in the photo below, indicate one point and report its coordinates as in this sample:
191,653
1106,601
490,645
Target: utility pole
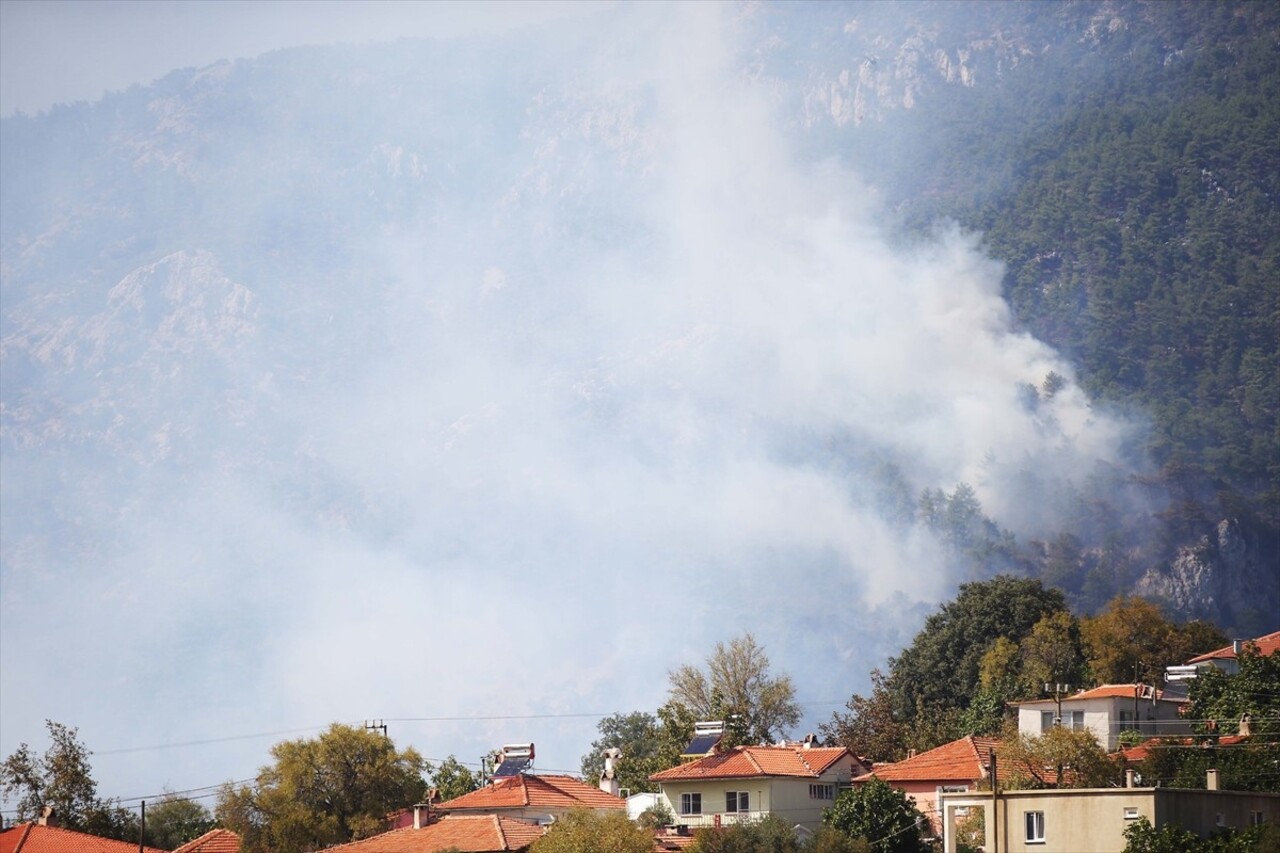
995,805
1058,691
376,725
142,828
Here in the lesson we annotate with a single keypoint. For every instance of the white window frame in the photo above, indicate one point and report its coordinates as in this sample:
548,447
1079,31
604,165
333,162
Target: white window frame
1073,720
822,791
1033,827
1046,721
1131,813
688,801
741,802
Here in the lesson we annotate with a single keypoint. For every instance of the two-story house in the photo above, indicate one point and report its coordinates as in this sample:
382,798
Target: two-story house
745,783
1106,712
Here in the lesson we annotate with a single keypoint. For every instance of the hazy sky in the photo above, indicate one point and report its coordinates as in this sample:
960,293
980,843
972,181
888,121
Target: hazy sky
55,51
614,390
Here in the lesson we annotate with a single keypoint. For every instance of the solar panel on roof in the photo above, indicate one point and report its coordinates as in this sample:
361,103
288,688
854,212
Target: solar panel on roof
702,744
511,767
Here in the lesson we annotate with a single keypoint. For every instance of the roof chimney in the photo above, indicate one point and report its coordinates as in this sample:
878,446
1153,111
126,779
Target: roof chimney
1211,779
421,815
609,777
1237,646
48,816
1246,724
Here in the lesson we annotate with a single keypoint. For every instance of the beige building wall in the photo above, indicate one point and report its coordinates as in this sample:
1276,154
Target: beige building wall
1094,819
787,798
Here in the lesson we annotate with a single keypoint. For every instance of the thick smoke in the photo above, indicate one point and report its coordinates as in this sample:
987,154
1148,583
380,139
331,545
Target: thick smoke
667,383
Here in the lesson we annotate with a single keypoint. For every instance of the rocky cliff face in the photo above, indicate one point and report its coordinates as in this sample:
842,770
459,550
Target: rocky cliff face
1230,576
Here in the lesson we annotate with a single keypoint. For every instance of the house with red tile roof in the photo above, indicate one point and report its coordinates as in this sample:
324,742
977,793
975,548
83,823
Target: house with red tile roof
532,797
466,833
746,783
953,768
42,838
1107,711
1227,657
213,841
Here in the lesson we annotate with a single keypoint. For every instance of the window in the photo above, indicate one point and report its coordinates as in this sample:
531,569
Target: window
953,789
1035,827
1127,722
821,791
690,804
1131,813
1255,818
1073,720
737,801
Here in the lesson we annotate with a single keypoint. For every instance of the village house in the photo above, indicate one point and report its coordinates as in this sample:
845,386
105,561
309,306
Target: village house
213,841
475,833
794,782
1069,820
1107,712
953,768
1227,658
43,836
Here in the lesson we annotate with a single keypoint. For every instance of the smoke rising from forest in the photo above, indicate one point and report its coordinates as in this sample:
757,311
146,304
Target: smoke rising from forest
672,383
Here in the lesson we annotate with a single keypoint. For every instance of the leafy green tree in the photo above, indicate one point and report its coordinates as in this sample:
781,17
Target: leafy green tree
655,816
1219,701
1052,652
636,734
452,779
884,816
1059,758
62,778
769,834
582,829
738,687
1131,639
870,725
1142,837
174,820
328,790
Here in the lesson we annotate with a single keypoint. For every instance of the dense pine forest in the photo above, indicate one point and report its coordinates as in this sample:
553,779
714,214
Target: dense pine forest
1127,172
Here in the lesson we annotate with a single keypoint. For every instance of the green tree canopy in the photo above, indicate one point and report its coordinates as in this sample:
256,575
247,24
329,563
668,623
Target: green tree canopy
737,686
582,830
637,735
173,821
62,778
452,779
886,817
328,790
1059,758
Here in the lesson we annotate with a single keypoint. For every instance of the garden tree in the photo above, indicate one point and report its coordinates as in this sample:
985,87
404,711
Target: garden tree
636,734
328,790
869,727
581,830
882,815
736,686
174,820
831,840
1218,700
1141,837
770,834
1052,653
1245,766
451,779
62,778
922,701
1059,758
655,816
1130,640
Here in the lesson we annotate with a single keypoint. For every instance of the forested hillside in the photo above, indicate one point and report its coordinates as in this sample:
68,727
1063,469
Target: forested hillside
1127,172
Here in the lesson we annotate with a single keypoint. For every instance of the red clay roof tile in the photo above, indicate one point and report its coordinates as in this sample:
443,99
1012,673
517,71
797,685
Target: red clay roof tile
745,762
36,838
961,760
530,791
213,841
466,833
1267,645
